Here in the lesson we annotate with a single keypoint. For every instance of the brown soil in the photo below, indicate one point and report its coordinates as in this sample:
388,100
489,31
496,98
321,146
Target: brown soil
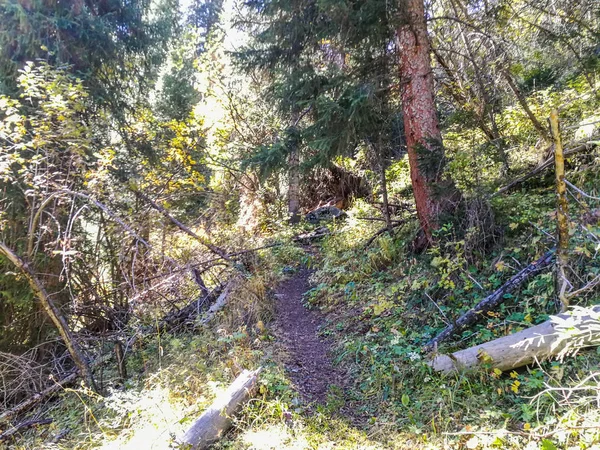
308,363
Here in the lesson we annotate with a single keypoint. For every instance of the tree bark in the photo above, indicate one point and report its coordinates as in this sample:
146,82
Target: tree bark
562,211
423,137
294,175
53,312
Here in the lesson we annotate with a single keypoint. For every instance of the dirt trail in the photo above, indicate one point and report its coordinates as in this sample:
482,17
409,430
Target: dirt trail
308,363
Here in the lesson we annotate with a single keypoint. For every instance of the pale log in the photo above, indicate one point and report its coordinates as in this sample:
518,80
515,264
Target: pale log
216,420
552,338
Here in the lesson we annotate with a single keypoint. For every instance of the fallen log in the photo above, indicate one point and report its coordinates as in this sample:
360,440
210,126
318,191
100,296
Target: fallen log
176,319
492,300
543,166
221,301
23,426
559,336
307,238
33,400
216,420
170,321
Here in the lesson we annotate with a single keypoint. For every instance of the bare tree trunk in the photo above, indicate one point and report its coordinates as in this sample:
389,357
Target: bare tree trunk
378,164
121,362
523,102
384,195
562,249
53,312
294,178
423,137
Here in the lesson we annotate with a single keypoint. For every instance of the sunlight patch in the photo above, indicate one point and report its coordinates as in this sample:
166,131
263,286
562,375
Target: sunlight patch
151,418
274,437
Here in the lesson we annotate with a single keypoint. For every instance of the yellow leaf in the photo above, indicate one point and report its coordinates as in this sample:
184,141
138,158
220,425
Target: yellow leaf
513,226
515,386
497,371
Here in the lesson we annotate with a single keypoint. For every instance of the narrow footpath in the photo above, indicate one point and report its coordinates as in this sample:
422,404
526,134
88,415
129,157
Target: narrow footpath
308,363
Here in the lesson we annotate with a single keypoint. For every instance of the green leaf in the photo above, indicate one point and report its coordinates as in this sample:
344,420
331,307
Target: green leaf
547,445
405,400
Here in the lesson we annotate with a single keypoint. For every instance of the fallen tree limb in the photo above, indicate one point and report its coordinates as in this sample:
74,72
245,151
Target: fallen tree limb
543,166
179,318
492,300
23,426
33,400
395,224
376,219
57,386
559,336
170,321
221,301
313,235
213,248
53,313
216,420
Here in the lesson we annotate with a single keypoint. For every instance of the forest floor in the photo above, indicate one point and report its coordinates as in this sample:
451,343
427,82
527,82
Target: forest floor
307,363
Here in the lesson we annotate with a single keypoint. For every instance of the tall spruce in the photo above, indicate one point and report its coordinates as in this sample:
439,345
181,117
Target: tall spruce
336,60
433,195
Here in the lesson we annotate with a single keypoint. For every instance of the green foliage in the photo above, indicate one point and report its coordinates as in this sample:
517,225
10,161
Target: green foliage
103,43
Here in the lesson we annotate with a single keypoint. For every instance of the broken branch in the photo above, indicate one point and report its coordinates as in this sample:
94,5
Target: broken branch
492,300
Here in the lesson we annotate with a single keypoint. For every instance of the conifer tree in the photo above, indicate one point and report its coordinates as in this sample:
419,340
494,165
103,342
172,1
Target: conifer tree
336,59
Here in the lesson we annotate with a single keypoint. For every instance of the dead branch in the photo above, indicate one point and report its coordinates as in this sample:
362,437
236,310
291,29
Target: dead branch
376,219
493,300
543,166
24,425
221,300
57,386
53,312
562,211
32,401
213,248
100,205
395,224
